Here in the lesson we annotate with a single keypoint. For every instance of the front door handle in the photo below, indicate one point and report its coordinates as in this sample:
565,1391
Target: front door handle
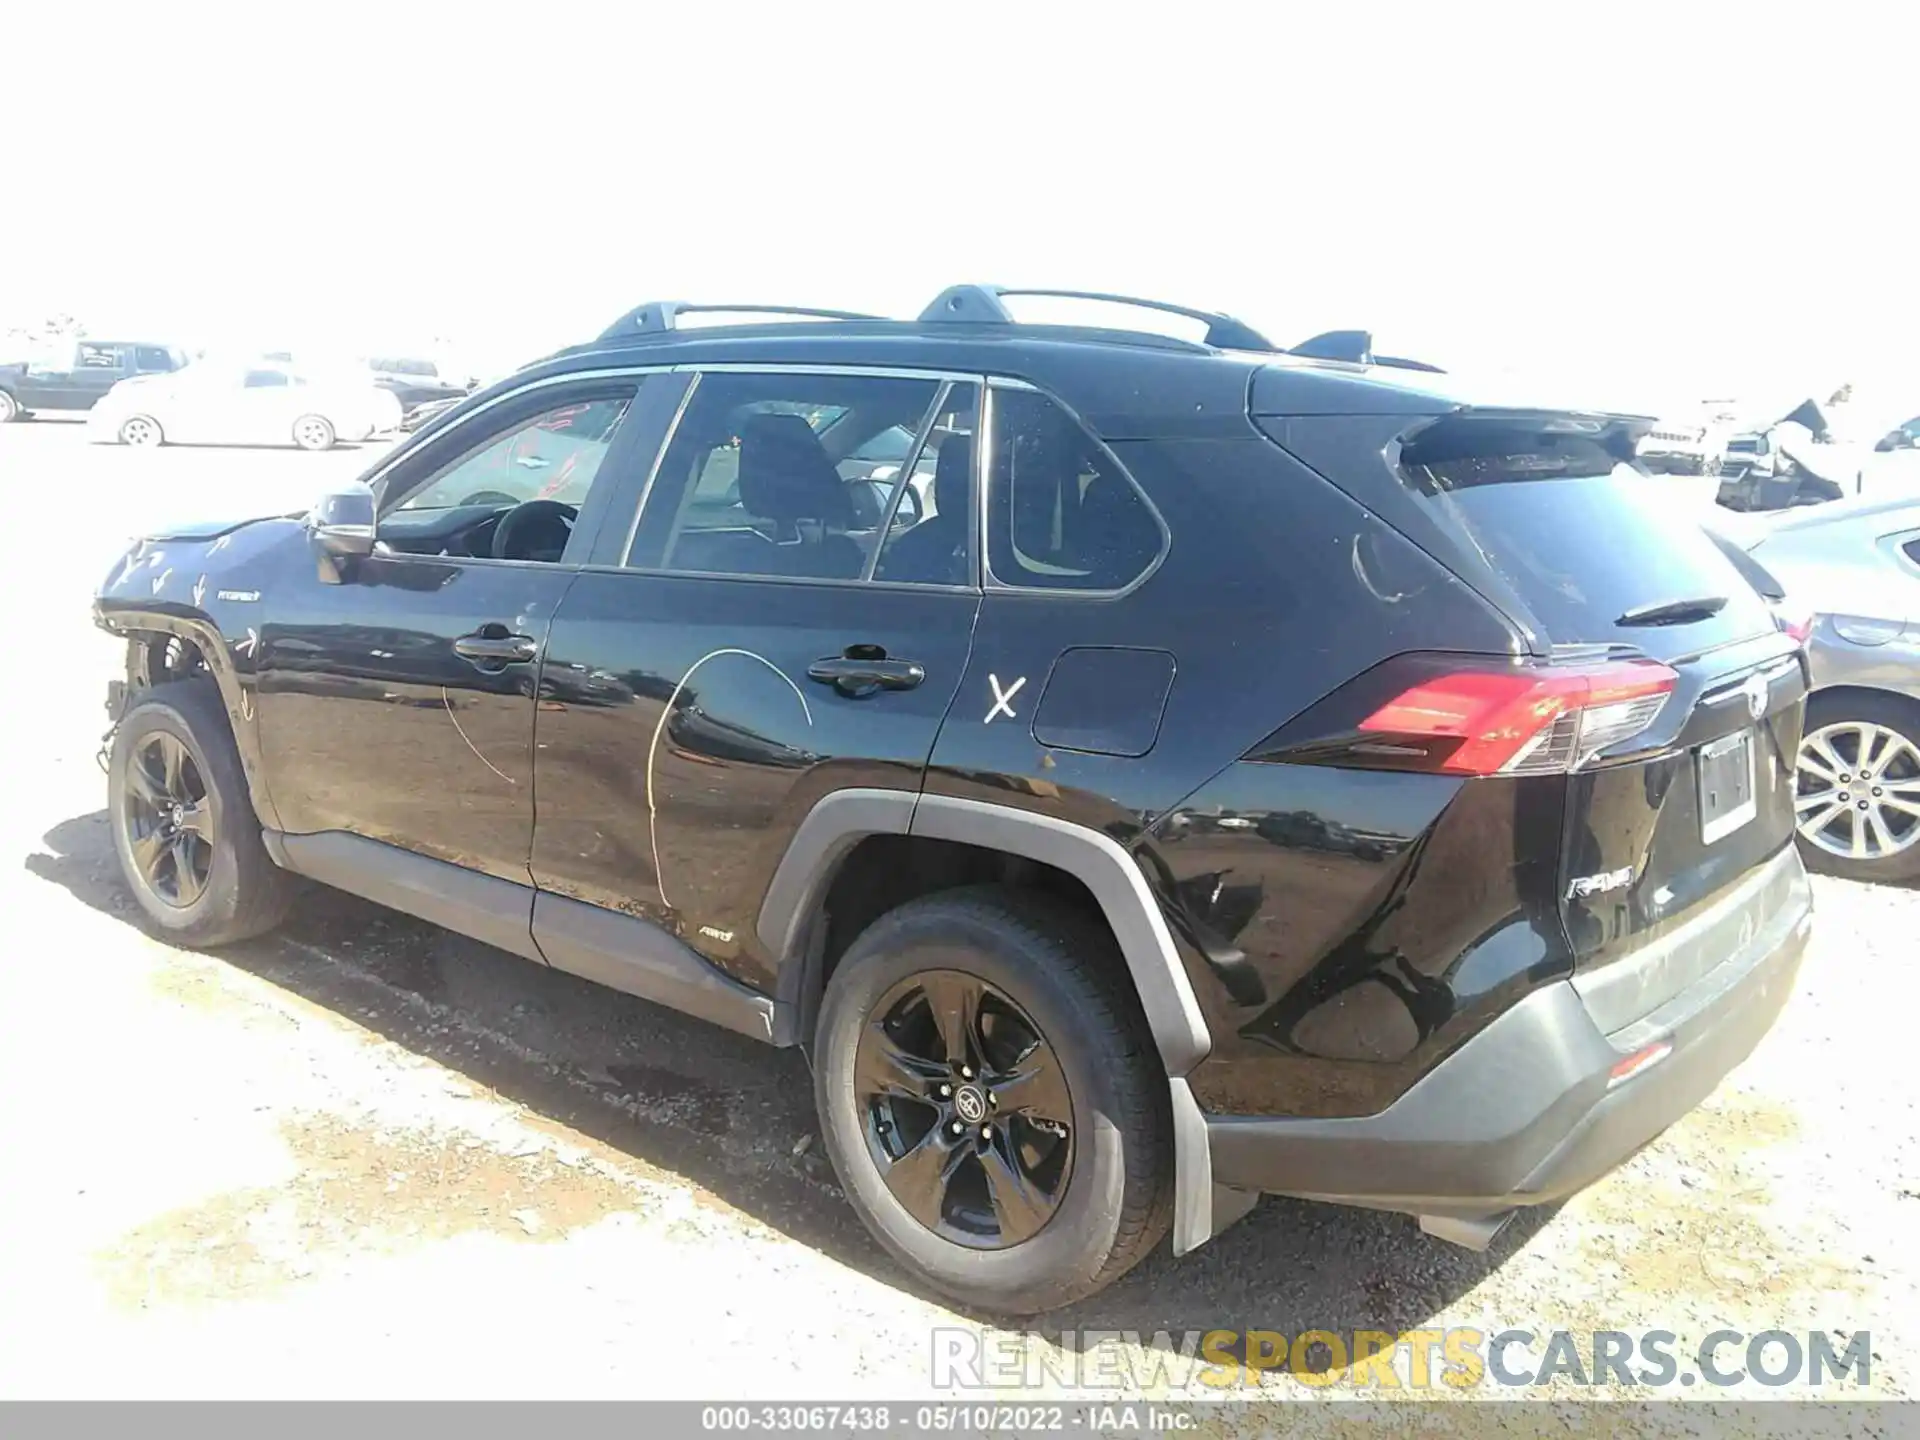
484,648
865,669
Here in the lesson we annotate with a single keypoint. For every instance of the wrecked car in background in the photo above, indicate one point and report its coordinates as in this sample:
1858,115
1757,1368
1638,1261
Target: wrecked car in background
1792,461
1681,447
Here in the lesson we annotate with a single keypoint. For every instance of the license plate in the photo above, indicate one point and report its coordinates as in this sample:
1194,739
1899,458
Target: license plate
1726,786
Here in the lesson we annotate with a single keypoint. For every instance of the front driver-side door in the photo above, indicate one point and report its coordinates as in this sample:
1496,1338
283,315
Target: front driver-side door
398,705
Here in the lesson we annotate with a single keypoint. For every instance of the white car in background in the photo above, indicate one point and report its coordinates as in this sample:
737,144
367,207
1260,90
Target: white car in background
1689,445
258,404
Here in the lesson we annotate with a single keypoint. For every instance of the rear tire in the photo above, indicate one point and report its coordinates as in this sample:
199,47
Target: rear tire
1030,1213
9,408
1843,721
313,432
184,825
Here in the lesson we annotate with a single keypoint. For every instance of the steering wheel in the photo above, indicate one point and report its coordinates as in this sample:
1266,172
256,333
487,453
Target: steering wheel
534,530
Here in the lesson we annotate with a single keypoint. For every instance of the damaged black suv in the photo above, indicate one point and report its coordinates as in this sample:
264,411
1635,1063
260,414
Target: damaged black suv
1143,772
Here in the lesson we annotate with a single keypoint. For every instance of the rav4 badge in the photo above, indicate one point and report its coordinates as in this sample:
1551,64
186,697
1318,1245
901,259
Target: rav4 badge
1586,885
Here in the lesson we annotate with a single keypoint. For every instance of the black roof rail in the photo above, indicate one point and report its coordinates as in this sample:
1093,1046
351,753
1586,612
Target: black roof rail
983,305
661,315
1356,347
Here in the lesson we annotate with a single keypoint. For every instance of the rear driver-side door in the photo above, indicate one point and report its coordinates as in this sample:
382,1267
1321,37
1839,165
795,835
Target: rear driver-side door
731,658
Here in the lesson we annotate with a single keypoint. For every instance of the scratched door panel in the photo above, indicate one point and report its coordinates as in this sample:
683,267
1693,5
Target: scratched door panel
395,735
680,740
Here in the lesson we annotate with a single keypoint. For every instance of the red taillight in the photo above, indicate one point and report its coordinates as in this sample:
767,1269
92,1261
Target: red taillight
1519,721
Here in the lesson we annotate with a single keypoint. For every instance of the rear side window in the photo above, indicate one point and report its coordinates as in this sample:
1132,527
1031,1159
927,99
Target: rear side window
1061,513
1585,541
98,357
760,478
151,358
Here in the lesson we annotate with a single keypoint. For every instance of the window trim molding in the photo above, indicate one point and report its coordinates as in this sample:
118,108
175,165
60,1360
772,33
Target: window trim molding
993,584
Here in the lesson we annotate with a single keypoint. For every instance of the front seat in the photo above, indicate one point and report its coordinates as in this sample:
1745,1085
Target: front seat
934,552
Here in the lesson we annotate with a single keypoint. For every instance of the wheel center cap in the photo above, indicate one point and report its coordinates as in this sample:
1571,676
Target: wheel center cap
970,1104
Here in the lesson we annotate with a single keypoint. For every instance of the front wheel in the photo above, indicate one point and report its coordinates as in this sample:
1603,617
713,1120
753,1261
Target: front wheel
1857,786
141,430
313,432
9,408
992,1101
183,824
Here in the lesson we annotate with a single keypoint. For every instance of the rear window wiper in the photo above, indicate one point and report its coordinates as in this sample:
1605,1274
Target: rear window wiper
1675,612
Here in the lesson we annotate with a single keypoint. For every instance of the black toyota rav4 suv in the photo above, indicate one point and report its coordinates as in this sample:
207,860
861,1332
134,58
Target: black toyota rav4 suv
1235,771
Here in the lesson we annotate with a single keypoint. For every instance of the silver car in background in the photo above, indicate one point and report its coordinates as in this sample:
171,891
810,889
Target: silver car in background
262,403
1846,577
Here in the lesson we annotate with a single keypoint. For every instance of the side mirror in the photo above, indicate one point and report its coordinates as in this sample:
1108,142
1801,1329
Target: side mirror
342,522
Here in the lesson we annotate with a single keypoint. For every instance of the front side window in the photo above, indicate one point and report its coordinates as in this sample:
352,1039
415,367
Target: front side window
265,379
151,359
98,357
553,455
764,475
1061,513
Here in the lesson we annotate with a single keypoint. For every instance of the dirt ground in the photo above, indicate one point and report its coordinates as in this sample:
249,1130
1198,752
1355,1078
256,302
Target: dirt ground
365,1157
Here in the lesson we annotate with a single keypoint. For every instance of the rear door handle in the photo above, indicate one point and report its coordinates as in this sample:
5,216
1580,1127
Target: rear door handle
485,649
856,674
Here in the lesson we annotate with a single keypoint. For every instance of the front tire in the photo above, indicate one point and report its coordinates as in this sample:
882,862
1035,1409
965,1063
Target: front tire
1857,786
313,432
9,408
992,1101
183,824
142,430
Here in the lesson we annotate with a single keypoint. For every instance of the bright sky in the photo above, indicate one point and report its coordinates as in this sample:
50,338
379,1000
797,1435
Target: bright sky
1676,206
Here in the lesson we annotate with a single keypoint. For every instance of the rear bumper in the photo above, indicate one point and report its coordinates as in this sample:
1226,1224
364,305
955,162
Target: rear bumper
1526,1112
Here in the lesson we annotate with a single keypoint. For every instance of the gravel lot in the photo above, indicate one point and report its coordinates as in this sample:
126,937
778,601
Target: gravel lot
368,1157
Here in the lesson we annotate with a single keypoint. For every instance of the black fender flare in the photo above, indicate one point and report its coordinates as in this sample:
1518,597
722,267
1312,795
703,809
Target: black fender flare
841,820
236,691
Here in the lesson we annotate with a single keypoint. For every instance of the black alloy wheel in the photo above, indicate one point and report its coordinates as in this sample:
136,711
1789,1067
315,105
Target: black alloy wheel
966,1110
992,1100
169,822
184,829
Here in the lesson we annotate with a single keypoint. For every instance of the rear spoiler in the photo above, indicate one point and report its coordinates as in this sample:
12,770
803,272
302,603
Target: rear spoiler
1478,429
1355,347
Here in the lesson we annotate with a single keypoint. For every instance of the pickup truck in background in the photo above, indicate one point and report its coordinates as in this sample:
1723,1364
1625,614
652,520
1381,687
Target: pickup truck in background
75,375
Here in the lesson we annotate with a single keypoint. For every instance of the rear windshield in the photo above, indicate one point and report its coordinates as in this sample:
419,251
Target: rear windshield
1595,548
